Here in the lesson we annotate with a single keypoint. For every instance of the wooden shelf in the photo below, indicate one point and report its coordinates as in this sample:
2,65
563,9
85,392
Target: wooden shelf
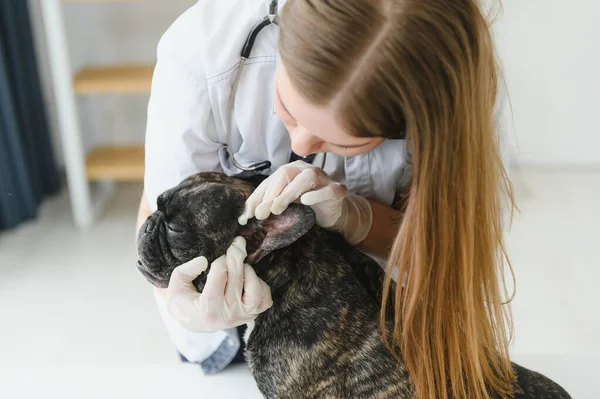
118,79
124,163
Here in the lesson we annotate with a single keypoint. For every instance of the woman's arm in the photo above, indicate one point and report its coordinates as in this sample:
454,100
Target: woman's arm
380,238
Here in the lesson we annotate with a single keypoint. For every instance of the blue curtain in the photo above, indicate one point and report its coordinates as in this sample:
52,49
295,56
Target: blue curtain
28,171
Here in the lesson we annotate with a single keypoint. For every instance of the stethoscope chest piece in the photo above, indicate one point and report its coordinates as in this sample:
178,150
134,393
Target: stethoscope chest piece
244,55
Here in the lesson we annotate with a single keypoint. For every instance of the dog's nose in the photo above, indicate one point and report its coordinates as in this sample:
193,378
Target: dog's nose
152,221
150,225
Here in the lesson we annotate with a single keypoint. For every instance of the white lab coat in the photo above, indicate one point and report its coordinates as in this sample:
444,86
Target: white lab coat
197,60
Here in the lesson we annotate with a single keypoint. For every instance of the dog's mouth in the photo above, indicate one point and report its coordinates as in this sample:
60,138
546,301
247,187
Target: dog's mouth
157,282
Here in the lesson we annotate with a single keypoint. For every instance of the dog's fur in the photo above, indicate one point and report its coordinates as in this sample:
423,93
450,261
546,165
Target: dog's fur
321,338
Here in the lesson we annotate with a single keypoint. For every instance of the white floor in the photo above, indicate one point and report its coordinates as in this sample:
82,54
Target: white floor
77,321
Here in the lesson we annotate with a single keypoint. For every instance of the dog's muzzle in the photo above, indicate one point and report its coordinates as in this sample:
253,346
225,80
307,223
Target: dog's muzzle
151,250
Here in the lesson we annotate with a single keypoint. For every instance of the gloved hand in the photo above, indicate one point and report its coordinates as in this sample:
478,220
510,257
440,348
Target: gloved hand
336,210
233,294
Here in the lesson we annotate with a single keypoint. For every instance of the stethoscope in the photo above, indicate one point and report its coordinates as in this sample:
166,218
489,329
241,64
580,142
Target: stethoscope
244,55
269,19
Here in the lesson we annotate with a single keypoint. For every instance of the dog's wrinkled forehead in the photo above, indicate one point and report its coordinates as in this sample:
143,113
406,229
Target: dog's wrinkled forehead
211,198
228,184
235,184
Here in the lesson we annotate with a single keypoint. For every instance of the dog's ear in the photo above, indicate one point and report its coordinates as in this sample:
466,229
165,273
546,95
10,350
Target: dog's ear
278,231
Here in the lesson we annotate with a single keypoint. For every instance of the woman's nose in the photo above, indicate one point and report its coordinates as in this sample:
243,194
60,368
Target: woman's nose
303,142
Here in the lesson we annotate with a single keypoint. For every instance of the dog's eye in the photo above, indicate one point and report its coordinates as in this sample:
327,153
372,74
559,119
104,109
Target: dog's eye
173,229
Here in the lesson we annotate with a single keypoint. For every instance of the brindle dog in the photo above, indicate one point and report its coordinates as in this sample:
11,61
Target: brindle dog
321,338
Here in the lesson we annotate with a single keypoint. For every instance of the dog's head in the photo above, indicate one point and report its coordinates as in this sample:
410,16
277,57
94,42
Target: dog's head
199,217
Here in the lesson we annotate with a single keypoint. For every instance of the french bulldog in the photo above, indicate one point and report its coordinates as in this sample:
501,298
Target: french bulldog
321,338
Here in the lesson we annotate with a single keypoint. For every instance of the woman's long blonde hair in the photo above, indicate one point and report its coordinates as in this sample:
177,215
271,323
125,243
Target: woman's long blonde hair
427,67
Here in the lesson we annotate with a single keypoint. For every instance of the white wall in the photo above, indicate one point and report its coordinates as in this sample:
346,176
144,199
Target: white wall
105,33
551,53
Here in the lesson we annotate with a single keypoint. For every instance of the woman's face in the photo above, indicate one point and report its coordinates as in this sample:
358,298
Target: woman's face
312,128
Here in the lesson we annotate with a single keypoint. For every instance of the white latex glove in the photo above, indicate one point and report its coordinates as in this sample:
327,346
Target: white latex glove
336,210
233,294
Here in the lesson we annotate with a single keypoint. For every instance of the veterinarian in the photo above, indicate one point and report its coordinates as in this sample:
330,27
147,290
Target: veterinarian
380,115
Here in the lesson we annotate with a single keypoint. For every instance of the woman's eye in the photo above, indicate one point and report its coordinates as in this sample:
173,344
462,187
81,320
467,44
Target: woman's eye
283,114
341,147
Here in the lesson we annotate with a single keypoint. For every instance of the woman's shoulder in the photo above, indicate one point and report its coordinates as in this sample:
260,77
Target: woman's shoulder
208,37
